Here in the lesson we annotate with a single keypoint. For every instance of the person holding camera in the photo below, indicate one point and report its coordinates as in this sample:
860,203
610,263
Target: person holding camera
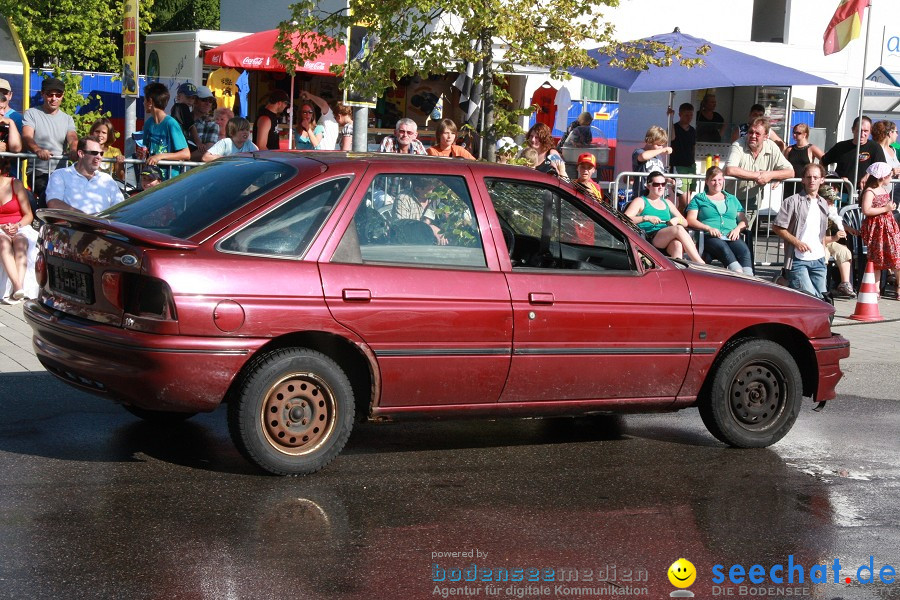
10,123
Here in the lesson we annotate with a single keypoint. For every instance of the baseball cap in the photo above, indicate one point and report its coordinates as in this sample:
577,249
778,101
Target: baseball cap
829,193
151,171
4,85
52,83
204,92
187,88
588,158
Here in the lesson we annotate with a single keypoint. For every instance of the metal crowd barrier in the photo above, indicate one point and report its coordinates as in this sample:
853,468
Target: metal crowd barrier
20,160
761,205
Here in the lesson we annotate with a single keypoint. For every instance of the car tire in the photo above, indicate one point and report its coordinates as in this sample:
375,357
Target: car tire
293,411
159,417
755,395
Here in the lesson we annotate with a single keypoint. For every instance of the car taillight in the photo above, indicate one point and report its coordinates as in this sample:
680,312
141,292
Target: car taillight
40,270
111,283
148,297
146,301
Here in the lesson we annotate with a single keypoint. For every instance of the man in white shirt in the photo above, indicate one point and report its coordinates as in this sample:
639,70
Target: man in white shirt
801,223
83,187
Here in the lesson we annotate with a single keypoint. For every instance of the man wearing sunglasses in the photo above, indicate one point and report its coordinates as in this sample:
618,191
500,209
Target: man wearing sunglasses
404,139
83,187
47,131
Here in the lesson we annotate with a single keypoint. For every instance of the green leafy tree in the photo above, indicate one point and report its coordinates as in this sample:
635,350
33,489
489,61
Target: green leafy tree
84,35
186,15
435,36
72,101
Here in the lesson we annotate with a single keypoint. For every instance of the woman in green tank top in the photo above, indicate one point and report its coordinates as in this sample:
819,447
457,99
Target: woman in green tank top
660,220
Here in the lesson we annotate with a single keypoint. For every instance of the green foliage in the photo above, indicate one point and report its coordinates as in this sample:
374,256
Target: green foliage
186,15
81,35
453,217
435,36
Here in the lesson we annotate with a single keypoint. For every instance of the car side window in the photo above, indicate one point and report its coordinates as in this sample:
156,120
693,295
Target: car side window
410,219
545,228
289,228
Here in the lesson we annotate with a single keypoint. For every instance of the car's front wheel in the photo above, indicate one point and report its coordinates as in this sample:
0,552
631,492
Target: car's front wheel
293,411
754,396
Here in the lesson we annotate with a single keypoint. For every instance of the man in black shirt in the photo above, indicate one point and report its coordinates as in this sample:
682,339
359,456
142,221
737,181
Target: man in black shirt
265,129
843,154
684,142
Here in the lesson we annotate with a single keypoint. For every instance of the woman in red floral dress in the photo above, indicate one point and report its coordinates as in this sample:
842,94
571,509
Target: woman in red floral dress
880,232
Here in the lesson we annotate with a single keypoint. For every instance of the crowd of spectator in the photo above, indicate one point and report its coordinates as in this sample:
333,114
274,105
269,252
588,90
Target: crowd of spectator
671,210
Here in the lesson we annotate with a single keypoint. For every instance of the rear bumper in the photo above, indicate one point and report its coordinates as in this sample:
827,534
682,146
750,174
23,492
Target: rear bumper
154,372
829,352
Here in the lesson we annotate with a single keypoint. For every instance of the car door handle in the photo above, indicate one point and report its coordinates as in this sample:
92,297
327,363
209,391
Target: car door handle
356,295
540,298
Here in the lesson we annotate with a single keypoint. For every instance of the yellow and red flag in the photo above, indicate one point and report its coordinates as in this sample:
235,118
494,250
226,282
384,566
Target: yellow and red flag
845,25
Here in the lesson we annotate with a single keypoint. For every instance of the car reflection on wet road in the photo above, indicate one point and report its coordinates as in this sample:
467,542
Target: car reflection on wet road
97,504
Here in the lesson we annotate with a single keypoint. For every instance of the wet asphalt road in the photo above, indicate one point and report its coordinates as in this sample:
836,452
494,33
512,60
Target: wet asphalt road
97,504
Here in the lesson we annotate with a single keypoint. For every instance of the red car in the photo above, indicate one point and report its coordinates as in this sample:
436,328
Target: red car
305,288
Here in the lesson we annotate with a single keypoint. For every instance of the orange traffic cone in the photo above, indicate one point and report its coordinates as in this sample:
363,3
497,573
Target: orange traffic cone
867,300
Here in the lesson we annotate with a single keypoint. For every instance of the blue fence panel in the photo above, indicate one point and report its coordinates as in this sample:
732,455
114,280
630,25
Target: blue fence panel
605,128
105,85
807,117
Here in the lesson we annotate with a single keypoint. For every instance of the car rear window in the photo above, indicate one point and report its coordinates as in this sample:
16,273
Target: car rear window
190,203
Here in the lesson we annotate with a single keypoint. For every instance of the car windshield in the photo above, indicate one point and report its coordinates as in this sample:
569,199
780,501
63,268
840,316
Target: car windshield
189,203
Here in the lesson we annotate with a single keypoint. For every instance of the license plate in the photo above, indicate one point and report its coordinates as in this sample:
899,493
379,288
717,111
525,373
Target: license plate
72,280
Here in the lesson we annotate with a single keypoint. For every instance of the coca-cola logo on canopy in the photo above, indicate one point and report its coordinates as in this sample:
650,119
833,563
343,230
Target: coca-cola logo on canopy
314,66
248,62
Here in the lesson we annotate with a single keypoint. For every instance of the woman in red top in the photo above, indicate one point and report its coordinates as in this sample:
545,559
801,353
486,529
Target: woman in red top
444,136
15,217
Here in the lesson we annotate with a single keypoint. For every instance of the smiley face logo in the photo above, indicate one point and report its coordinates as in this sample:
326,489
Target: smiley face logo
682,573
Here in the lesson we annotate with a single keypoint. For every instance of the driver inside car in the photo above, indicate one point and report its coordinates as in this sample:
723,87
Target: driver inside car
420,206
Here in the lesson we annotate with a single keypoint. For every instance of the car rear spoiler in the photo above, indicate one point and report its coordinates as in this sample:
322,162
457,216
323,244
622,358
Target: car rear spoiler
139,235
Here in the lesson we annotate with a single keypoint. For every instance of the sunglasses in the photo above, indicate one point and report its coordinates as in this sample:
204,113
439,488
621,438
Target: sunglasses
53,94
657,184
93,152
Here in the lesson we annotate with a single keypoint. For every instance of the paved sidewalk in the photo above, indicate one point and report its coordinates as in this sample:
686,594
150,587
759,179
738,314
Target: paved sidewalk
16,353
870,342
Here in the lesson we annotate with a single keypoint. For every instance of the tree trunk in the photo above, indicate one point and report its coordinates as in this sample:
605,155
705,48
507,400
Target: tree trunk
487,123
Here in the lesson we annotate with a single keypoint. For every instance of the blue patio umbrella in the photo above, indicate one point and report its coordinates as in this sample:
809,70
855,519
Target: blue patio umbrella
722,67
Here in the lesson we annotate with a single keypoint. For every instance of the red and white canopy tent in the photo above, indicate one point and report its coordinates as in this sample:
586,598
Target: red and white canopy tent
256,52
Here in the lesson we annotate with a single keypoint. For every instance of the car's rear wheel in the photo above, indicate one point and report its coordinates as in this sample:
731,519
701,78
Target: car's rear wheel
293,412
159,417
755,395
